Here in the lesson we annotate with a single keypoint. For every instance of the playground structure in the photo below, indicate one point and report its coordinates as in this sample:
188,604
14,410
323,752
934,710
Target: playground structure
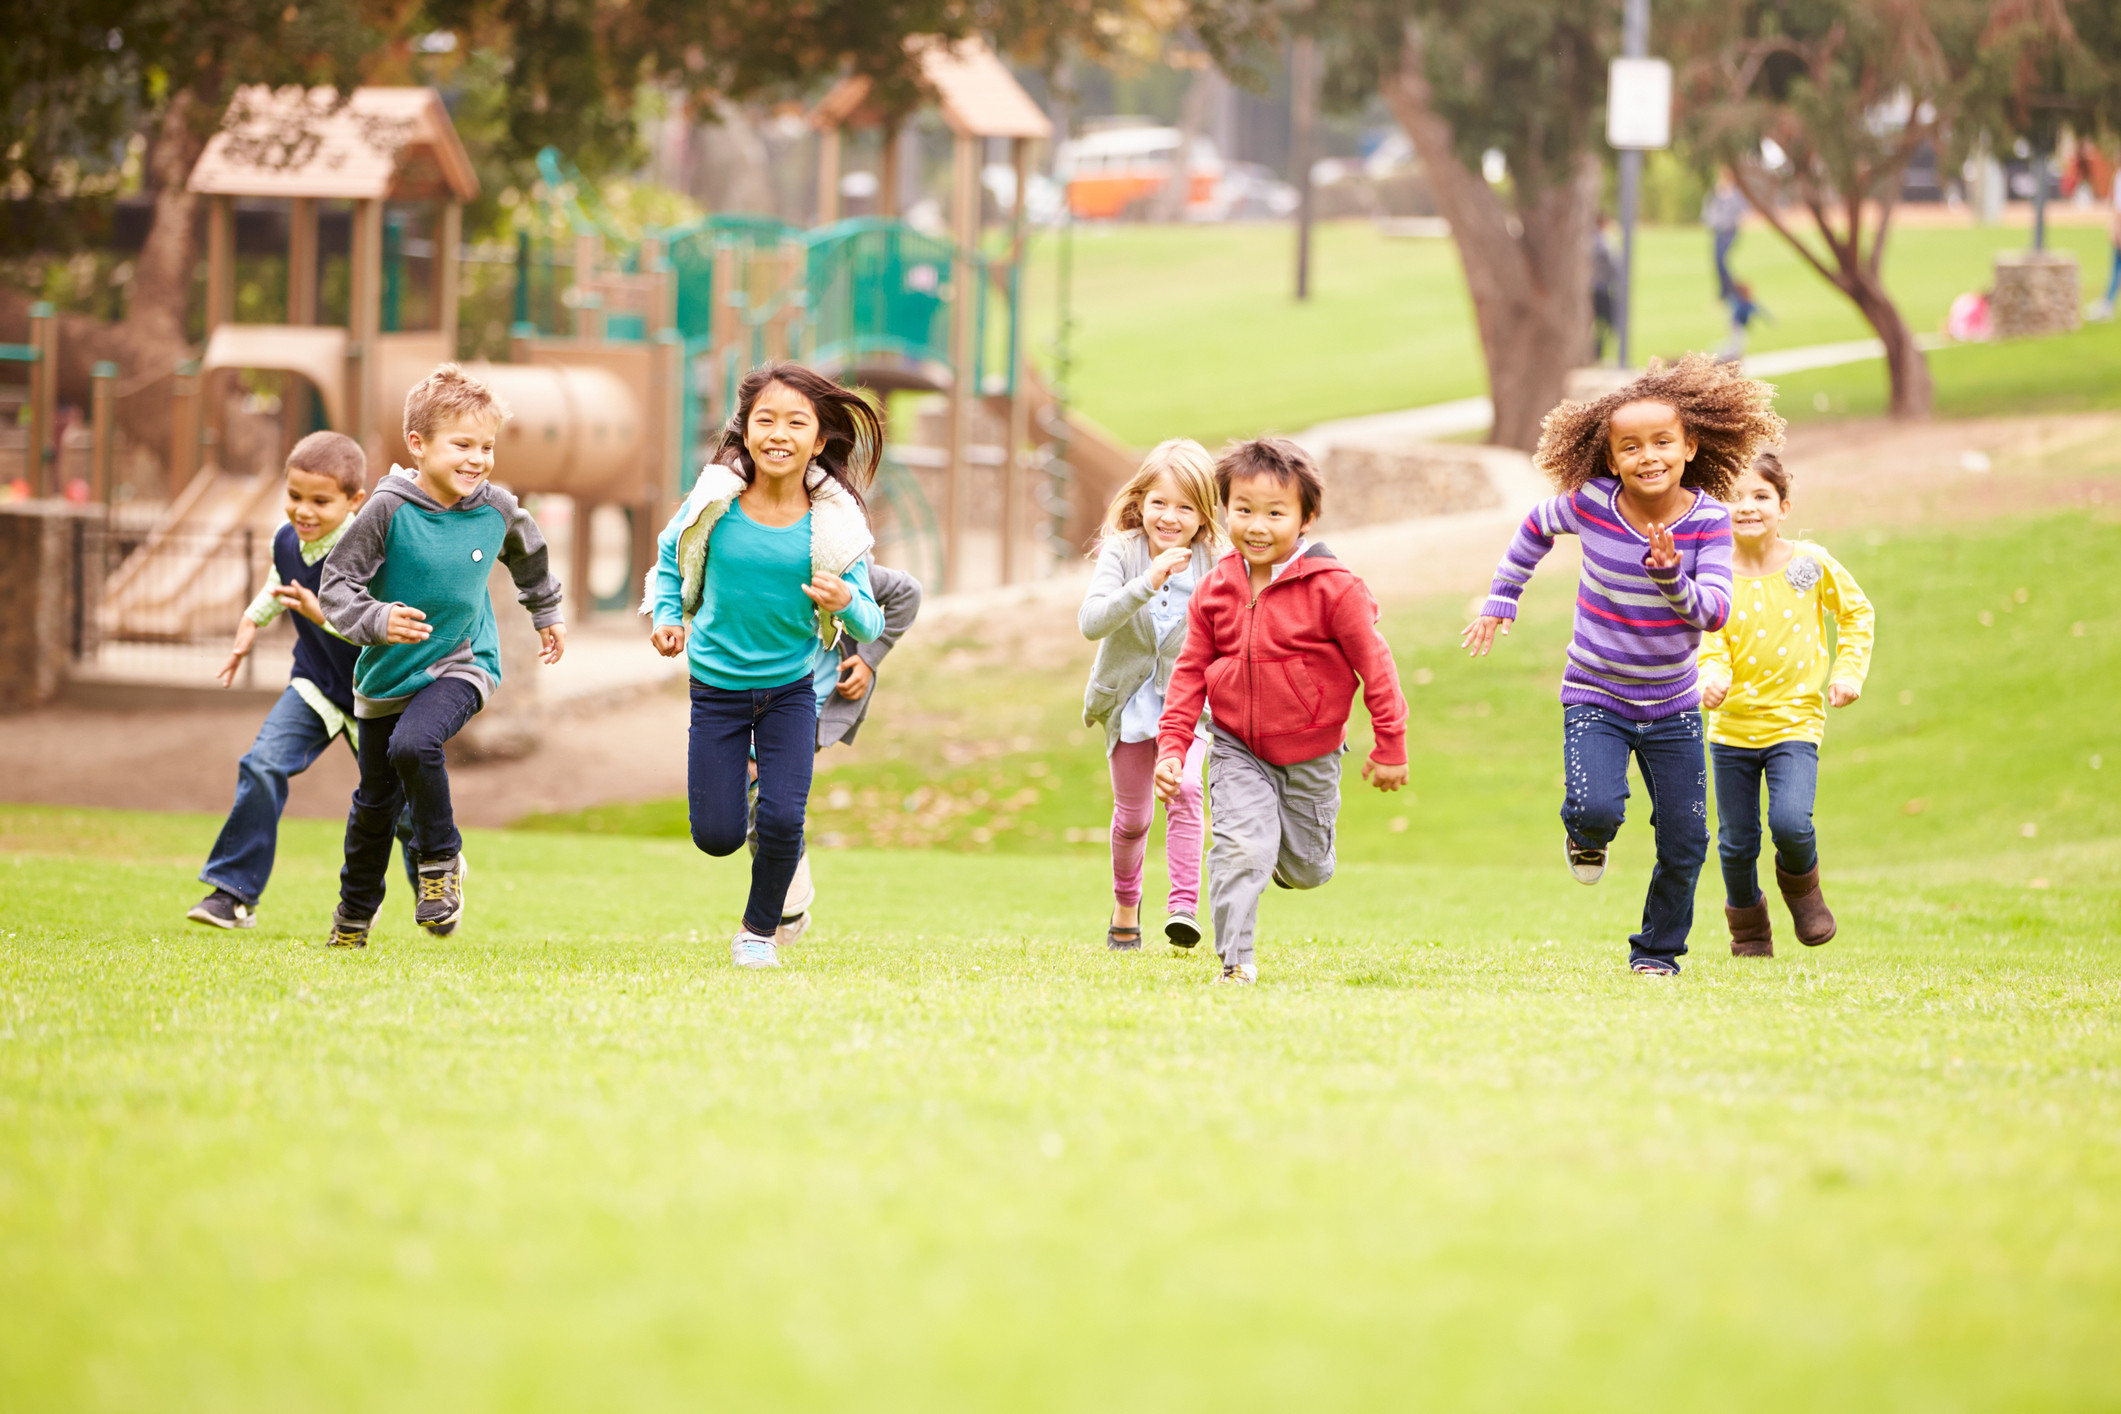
619,386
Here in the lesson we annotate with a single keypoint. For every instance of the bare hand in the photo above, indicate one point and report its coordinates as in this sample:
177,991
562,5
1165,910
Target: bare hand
1385,778
829,591
855,677
668,639
1170,562
1664,551
1479,635
246,634
407,625
1713,691
552,642
300,599
1170,778
1841,694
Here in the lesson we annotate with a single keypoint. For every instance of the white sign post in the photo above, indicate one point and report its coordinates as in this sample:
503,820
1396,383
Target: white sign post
1638,118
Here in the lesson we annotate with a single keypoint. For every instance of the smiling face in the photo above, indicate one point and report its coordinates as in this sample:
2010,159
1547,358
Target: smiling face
316,506
1169,519
1266,518
455,457
1757,509
782,432
1648,448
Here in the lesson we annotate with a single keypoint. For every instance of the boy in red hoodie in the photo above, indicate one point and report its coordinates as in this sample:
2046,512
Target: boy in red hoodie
1278,634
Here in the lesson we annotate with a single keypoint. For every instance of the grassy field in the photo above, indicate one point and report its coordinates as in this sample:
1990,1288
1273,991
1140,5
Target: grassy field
955,1156
1192,331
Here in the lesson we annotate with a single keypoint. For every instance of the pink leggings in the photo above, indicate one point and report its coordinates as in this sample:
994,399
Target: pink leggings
1134,806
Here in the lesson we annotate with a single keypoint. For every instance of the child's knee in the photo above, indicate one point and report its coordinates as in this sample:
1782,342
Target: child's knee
1790,827
410,751
717,842
1596,820
1307,873
778,822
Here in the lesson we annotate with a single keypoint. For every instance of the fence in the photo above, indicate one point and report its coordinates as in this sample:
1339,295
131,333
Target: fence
150,605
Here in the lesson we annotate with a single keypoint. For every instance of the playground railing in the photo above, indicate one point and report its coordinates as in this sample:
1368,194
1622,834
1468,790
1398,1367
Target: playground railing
161,605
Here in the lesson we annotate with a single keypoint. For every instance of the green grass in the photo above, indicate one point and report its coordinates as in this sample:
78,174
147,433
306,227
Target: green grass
1448,1154
1193,331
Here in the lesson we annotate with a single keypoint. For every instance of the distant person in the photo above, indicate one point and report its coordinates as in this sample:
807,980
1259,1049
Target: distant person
1278,634
1639,471
408,583
1722,211
1605,284
1160,539
327,480
1743,312
1768,679
761,566
2104,309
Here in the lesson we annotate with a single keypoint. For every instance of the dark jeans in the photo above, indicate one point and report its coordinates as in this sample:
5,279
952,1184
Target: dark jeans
289,743
1791,769
779,726
1726,285
1595,747
401,763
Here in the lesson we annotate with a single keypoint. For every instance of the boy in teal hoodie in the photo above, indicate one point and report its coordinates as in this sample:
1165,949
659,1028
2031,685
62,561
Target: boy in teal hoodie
407,581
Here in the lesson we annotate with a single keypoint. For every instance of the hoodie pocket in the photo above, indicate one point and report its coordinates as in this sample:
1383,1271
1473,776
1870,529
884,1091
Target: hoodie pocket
1288,699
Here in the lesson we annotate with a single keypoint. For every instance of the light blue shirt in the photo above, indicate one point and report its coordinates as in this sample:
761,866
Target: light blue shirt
1138,718
762,631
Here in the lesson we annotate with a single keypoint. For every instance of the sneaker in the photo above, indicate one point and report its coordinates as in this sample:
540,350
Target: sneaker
1654,967
222,909
792,927
1586,866
1183,929
441,901
348,934
748,949
802,890
1279,881
1242,972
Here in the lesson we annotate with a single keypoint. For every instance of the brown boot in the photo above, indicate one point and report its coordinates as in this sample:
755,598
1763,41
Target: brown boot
1808,910
1752,935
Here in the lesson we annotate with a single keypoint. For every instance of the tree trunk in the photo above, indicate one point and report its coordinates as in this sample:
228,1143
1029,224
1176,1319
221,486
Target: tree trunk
1913,393
1529,277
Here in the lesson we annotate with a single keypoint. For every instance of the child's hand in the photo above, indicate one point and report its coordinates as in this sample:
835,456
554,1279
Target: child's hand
1480,634
1713,692
302,600
855,677
246,634
407,625
1664,551
552,642
829,591
1385,778
1170,777
1841,694
1170,562
668,639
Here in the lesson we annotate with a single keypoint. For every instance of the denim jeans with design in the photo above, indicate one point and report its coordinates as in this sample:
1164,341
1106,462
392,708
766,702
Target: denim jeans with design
1596,745
1791,771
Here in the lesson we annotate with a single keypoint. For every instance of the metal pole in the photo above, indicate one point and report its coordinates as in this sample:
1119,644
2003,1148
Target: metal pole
103,430
2040,154
1303,100
1634,44
40,461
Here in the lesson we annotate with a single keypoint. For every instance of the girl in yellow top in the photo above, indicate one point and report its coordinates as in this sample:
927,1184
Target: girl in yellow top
1769,680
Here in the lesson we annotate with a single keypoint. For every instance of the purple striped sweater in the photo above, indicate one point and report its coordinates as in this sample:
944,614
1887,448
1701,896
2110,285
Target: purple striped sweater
1636,628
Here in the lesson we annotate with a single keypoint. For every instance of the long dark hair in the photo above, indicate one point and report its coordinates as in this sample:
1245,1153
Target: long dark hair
850,430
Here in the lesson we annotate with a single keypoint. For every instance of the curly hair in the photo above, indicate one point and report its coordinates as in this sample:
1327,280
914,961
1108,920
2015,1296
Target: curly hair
1731,418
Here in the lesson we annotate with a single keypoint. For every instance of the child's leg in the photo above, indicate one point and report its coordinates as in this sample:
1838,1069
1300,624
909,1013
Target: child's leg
434,715
371,822
1241,792
1133,768
718,768
1594,757
784,733
292,737
1310,810
1182,834
1738,821
1793,782
2113,281
1676,772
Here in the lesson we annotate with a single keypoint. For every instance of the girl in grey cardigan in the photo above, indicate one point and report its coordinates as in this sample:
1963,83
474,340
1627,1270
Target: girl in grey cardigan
1160,536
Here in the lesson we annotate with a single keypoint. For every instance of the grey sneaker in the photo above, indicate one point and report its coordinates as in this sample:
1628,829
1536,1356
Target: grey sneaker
347,933
441,900
1586,866
222,909
1183,929
748,949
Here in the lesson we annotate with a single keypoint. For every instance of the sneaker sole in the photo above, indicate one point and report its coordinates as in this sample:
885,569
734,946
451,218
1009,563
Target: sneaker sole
791,930
1576,870
443,927
200,915
1181,933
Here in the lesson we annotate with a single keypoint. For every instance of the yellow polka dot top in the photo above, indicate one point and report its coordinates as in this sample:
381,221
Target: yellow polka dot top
1774,651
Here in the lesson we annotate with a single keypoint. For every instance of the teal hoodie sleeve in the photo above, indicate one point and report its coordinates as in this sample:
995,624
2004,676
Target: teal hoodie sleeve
663,600
862,619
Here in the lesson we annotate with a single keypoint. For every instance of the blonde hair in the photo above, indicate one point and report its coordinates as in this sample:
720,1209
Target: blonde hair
446,394
1191,470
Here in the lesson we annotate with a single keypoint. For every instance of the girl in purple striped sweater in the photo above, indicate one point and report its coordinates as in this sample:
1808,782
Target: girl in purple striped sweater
1641,471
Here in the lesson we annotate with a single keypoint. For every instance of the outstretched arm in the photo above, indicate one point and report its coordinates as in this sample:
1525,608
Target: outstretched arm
1550,518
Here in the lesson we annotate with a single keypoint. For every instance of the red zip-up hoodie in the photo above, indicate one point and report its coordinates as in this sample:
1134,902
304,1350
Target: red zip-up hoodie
1278,669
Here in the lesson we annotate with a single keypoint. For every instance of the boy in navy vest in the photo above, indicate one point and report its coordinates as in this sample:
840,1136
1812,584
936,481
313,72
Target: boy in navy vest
326,482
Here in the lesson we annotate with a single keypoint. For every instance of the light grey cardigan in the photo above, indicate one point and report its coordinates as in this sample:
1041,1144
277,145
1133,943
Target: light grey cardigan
1115,616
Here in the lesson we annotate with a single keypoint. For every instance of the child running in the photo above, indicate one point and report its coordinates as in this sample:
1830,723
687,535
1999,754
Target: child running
1277,635
1639,470
1768,681
760,566
327,480
1160,538
408,583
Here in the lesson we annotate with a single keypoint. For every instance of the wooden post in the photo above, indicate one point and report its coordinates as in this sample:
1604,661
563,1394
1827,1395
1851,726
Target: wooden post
588,304
964,291
302,261
584,552
40,457
102,428
1019,433
887,174
722,331
220,262
828,176
184,428
449,239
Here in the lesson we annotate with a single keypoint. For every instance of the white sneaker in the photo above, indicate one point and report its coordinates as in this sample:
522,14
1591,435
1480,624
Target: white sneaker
748,949
791,929
1586,866
1241,972
801,891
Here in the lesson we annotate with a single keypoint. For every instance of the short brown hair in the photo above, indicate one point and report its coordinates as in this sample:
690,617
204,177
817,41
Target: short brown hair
449,392
1277,457
1731,418
332,454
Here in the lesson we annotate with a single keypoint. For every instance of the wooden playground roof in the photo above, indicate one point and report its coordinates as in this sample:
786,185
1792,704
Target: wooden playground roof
977,94
395,143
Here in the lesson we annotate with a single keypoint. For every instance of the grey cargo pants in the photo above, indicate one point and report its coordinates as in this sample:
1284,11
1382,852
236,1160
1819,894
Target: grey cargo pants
1264,818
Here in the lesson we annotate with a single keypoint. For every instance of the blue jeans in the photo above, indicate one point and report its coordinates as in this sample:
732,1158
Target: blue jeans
401,766
289,743
1726,284
1791,769
1596,743
779,726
